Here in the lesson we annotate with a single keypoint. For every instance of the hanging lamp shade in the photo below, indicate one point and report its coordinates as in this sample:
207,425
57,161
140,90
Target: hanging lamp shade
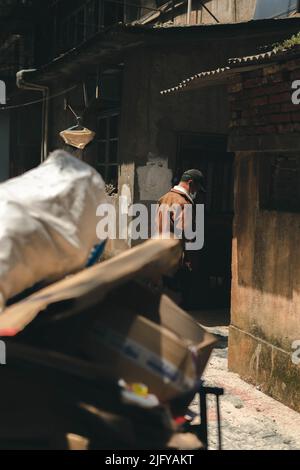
78,138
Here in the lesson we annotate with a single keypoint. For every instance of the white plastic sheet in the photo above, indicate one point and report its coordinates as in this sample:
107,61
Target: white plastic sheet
48,222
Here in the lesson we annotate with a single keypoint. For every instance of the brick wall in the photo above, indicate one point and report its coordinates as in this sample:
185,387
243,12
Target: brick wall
261,101
265,301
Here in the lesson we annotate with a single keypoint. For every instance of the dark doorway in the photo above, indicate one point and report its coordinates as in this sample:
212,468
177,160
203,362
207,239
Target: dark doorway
208,153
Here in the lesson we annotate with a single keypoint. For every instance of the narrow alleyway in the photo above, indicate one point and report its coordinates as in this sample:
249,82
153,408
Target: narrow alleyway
251,420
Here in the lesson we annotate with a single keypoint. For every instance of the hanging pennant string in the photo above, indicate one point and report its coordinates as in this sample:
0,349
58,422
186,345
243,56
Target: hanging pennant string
30,103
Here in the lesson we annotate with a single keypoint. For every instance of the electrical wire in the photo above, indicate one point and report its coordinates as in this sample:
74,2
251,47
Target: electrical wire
30,103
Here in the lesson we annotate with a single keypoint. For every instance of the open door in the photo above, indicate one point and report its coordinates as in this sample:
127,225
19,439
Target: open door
208,153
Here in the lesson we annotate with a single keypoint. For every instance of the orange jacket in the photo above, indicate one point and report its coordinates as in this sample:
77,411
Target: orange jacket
168,219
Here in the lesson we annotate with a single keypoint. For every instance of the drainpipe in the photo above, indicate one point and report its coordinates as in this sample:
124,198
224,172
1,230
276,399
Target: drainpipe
24,85
189,11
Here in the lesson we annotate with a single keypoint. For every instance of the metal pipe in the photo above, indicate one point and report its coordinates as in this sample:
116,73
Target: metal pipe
189,11
23,85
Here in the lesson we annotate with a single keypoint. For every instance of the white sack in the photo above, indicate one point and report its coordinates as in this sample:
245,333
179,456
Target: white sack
47,222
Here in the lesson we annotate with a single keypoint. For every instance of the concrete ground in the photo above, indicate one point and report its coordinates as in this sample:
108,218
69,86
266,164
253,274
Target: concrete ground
251,420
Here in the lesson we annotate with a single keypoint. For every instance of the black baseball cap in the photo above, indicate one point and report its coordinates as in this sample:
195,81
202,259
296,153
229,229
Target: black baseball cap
195,175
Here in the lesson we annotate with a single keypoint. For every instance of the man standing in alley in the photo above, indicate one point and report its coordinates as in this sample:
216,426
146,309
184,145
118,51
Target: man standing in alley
177,214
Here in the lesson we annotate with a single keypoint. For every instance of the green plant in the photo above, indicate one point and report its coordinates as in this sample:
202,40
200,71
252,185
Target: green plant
288,43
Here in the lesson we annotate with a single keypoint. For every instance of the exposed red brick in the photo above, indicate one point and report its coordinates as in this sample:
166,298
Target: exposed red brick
257,91
296,116
260,101
236,78
235,88
249,113
270,109
254,82
287,107
237,106
259,121
241,105
261,130
271,69
295,75
280,118
280,98
297,127
255,73
278,88
291,64
241,131
275,78
286,128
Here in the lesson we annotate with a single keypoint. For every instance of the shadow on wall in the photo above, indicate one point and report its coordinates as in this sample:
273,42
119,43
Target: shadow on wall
267,240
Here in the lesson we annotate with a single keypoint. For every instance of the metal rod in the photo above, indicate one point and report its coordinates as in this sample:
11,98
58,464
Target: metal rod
219,422
85,95
203,417
23,84
208,11
189,11
72,111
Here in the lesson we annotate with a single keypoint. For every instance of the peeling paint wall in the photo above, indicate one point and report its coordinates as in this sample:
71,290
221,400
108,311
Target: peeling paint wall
154,179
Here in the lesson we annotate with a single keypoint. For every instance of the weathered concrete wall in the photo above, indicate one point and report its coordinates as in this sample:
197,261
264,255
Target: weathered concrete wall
265,311
265,308
226,11
150,122
245,10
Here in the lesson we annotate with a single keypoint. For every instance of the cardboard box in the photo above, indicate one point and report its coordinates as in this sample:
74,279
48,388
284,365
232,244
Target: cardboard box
75,294
143,337
133,334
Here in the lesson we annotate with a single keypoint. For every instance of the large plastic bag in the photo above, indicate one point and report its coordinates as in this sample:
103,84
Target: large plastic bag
48,222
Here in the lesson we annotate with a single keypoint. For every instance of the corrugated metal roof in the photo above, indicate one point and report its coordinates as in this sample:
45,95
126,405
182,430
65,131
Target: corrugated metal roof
276,54
115,39
235,27
210,76
235,65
